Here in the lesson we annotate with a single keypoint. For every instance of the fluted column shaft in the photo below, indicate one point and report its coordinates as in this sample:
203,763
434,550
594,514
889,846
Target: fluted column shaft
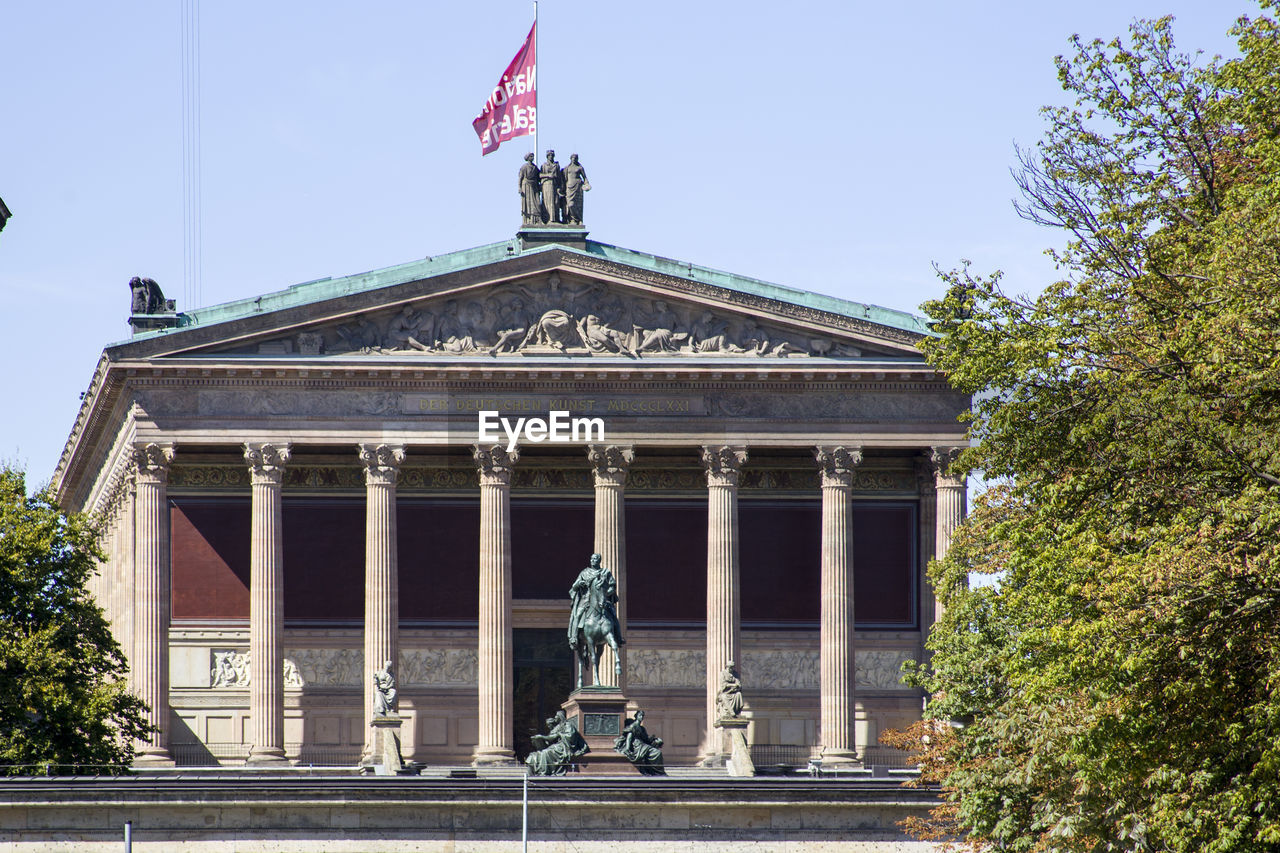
836,655
495,668
127,578
381,582
724,598
266,603
609,464
151,562
951,498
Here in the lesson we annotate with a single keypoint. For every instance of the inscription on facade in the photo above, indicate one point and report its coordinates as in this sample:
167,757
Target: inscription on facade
441,404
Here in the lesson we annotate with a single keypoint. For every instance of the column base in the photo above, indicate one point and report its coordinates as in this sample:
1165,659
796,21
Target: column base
841,758
266,756
153,756
493,756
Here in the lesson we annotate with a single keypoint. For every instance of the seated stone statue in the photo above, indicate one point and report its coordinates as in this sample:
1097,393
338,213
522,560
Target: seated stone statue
641,748
384,692
556,750
729,701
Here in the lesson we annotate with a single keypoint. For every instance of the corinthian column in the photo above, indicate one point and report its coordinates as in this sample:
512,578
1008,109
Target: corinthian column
496,678
381,597
151,578
724,599
609,465
836,663
951,497
266,603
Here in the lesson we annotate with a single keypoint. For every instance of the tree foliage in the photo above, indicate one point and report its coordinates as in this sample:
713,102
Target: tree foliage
1120,688
63,703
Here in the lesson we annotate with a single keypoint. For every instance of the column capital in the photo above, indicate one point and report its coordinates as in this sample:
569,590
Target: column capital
266,461
152,460
942,459
609,463
495,464
381,463
836,463
723,463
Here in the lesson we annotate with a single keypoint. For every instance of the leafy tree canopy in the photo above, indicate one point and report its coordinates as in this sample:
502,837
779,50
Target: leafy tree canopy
1120,688
62,699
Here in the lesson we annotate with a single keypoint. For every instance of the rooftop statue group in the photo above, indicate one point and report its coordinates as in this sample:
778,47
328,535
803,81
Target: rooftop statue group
552,195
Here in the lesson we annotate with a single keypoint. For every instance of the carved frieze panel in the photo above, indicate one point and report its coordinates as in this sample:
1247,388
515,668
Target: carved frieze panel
666,668
880,669
546,316
438,667
230,668
771,669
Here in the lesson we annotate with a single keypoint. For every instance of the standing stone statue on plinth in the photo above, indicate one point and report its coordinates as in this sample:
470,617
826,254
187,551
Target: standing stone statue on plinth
530,196
386,726
552,179
575,184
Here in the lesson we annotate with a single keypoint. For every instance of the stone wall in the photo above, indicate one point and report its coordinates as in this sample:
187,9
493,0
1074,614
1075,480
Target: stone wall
249,813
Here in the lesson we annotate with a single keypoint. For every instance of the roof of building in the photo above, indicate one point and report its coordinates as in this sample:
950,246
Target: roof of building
326,288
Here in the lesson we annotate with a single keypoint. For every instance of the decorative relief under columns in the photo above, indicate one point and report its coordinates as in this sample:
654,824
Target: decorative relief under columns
495,664
231,668
609,465
381,595
723,465
266,602
836,466
152,597
773,669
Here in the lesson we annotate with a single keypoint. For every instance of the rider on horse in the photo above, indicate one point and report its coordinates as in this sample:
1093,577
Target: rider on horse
593,575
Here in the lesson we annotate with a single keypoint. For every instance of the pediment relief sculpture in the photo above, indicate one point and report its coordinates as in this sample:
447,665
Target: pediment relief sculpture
550,317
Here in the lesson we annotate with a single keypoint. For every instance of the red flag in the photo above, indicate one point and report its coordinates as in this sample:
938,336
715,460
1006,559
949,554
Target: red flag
512,109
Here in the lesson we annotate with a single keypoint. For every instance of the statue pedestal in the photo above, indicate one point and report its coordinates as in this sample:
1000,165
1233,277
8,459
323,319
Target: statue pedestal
735,752
386,759
532,236
600,713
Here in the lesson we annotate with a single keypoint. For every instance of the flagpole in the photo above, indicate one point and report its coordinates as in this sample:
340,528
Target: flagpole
536,59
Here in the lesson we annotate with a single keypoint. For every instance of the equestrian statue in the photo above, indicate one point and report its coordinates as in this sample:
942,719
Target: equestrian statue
593,619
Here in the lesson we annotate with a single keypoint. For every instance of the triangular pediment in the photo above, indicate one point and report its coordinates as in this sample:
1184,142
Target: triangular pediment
571,304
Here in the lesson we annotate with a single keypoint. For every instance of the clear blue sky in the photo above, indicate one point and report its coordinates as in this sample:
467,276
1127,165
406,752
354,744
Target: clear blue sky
837,147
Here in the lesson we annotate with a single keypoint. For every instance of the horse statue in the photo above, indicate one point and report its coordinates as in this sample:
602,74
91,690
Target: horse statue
593,621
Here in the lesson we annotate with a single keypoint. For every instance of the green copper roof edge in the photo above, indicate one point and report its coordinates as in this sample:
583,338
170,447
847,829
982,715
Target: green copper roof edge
321,289
745,284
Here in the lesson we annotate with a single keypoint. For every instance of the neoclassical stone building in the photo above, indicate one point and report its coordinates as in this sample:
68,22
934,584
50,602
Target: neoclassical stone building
295,489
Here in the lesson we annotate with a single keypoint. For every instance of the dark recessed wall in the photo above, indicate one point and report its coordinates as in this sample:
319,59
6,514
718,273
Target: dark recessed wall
780,558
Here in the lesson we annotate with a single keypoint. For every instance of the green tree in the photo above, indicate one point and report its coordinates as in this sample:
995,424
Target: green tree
62,698
1120,687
